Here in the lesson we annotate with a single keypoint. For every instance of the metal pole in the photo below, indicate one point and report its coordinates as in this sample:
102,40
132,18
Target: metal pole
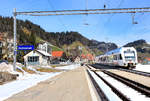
15,48
107,44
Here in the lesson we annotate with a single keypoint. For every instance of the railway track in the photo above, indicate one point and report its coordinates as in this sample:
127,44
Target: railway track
136,72
100,91
135,85
127,70
101,94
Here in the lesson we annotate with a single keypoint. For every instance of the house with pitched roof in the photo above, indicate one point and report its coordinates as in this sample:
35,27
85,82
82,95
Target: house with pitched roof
40,56
146,60
37,58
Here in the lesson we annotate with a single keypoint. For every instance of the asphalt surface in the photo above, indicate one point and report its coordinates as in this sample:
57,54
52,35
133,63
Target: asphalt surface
68,86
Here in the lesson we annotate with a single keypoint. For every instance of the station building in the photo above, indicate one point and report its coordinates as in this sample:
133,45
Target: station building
39,57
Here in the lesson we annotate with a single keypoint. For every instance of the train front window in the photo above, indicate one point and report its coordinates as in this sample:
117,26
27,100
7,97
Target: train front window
129,55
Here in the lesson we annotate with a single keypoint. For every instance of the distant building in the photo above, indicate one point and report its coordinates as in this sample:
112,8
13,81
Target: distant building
87,57
45,46
146,61
6,46
37,58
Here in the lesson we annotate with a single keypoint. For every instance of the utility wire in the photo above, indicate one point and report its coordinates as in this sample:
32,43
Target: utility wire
109,19
88,10
59,19
85,13
86,16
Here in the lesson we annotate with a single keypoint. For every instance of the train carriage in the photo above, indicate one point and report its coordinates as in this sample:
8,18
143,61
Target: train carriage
124,56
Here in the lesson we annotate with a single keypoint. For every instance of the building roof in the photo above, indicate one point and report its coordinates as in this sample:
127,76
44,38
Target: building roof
87,56
147,59
1,38
44,53
57,54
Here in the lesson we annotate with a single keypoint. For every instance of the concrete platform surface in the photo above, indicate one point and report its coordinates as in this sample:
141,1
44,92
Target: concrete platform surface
68,86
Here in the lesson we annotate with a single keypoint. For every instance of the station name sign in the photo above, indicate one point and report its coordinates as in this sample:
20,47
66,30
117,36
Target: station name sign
25,47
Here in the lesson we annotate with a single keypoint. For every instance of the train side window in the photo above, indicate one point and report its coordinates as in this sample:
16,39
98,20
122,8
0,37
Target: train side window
115,57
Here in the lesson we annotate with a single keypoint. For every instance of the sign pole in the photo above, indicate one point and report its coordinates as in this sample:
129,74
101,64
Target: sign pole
15,43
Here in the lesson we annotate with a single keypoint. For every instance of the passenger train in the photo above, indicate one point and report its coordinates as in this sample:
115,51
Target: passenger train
124,56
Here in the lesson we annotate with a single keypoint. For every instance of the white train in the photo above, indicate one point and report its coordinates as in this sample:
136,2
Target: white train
124,56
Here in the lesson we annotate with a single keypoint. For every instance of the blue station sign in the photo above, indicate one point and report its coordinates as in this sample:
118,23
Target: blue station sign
25,47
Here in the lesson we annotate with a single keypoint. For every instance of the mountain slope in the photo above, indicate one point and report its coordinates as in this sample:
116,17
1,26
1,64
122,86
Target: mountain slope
142,47
29,33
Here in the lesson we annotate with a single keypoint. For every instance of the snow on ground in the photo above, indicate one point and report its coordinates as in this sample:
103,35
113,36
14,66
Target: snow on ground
107,90
26,81
69,67
23,83
144,68
129,92
6,67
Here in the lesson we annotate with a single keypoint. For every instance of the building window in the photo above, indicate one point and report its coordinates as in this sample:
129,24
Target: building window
33,58
0,50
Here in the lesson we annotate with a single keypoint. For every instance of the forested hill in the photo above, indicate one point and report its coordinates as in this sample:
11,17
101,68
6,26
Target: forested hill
29,33
142,47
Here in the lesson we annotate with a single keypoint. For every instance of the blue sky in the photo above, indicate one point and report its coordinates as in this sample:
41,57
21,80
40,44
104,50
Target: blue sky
117,28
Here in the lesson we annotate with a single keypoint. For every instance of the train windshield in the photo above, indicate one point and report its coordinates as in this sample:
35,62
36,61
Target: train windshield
129,55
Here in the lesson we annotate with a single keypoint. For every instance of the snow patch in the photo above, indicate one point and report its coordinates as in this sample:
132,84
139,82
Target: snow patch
129,92
6,67
107,90
69,67
26,81
144,68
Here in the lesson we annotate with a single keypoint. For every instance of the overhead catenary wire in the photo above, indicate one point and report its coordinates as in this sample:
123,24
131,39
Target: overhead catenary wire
109,19
65,11
133,19
59,19
86,13
86,17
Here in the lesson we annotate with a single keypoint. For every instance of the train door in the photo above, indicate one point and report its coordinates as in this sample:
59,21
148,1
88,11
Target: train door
120,60
115,61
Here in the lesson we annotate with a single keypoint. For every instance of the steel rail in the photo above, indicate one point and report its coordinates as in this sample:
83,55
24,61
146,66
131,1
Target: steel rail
114,89
136,72
101,94
98,66
135,85
117,92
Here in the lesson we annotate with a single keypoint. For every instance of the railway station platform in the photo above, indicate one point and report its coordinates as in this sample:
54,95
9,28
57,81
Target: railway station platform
74,85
